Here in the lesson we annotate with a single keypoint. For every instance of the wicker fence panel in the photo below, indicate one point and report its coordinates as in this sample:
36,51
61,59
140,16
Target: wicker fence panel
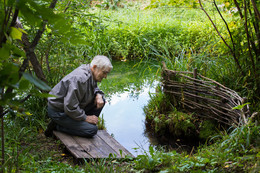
204,96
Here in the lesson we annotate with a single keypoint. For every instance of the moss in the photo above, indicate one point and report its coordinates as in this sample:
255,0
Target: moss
181,123
207,129
163,118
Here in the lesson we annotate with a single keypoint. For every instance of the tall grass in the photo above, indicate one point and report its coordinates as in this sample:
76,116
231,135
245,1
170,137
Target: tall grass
183,38
138,31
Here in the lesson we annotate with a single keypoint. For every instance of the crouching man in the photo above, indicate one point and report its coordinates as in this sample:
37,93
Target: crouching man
78,101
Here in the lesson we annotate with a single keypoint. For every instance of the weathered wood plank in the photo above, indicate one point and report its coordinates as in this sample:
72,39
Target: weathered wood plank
99,146
89,146
113,143
76,150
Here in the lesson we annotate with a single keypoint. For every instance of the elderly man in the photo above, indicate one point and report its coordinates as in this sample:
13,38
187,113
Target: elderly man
78,101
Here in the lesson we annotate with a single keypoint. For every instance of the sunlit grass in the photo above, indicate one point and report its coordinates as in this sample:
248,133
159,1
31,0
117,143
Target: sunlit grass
183,38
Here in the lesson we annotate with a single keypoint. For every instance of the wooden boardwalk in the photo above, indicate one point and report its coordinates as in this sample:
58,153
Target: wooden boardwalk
101,145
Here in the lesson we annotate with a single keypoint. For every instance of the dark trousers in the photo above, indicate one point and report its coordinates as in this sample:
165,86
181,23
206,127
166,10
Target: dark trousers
74,127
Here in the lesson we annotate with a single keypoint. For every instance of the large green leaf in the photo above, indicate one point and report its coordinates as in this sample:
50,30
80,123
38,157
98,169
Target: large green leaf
17,52
40,94
37,82
29,14
16,33
5,51
24,84
9,75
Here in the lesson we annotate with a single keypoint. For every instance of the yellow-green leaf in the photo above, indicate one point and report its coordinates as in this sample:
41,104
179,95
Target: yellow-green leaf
16,33
27,113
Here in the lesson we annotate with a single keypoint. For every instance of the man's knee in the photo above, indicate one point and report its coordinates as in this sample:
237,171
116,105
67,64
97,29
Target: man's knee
90,132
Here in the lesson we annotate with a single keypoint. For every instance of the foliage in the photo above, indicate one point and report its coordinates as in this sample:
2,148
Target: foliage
235,152
208,129
182,37
109,165
163,120
240,37
112,4
172,3
22,25
137,34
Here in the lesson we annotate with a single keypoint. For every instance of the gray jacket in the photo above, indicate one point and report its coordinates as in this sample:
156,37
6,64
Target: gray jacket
74,92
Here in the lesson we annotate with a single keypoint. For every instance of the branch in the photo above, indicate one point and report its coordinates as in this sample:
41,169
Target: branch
256,28
225,24
40,31
5,23
23,67
67,7
238,8
29,47
248,40
16,12
38,36
255,9
234,55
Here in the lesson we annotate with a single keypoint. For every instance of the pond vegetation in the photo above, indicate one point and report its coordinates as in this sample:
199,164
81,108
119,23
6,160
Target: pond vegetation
136,36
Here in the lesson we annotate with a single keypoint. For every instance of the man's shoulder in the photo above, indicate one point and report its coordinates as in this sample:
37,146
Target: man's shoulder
80,74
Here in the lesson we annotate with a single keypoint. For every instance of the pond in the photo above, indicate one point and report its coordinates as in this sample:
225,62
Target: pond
128,91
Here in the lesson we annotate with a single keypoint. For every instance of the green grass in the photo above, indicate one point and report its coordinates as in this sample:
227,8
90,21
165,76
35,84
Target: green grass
235,152
184,39
134,33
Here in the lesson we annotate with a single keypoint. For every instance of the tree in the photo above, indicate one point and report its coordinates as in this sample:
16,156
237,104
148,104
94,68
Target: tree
243,40
17,49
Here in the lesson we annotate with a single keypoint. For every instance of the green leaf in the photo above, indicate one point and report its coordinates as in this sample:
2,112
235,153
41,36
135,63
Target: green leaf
5,52
240,106
17,52
27,12
37,82
77,40
24,84
8,96
40,94
10,2
16,33
9,74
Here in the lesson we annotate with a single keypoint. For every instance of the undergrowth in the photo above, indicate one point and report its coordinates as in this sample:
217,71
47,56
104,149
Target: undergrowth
184,39
236,151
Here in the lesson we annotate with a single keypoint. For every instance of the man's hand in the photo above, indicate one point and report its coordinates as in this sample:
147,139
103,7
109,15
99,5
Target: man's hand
92,119
99,101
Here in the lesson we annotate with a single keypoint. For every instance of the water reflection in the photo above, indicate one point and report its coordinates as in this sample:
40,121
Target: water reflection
124,117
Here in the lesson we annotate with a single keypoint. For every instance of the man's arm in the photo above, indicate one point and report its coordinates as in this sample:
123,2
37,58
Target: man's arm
71,103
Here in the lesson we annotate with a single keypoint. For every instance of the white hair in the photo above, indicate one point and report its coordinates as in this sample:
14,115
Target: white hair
101,61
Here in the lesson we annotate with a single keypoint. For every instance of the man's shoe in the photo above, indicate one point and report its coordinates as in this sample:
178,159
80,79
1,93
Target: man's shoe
51,126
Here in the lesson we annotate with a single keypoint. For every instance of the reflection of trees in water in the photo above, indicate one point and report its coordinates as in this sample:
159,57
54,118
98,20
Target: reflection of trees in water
133,92
128,77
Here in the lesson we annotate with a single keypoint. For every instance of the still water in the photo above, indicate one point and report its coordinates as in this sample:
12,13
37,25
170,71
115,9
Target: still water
124,119
123,112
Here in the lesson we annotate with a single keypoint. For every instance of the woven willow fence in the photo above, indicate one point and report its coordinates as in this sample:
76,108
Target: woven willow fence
204,96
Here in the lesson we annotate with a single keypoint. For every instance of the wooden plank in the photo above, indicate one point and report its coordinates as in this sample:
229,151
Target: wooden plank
89,146
96,146
76,150
99,146
113,143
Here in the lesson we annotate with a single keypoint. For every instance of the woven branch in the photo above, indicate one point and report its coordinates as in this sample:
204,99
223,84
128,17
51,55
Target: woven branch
206,97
